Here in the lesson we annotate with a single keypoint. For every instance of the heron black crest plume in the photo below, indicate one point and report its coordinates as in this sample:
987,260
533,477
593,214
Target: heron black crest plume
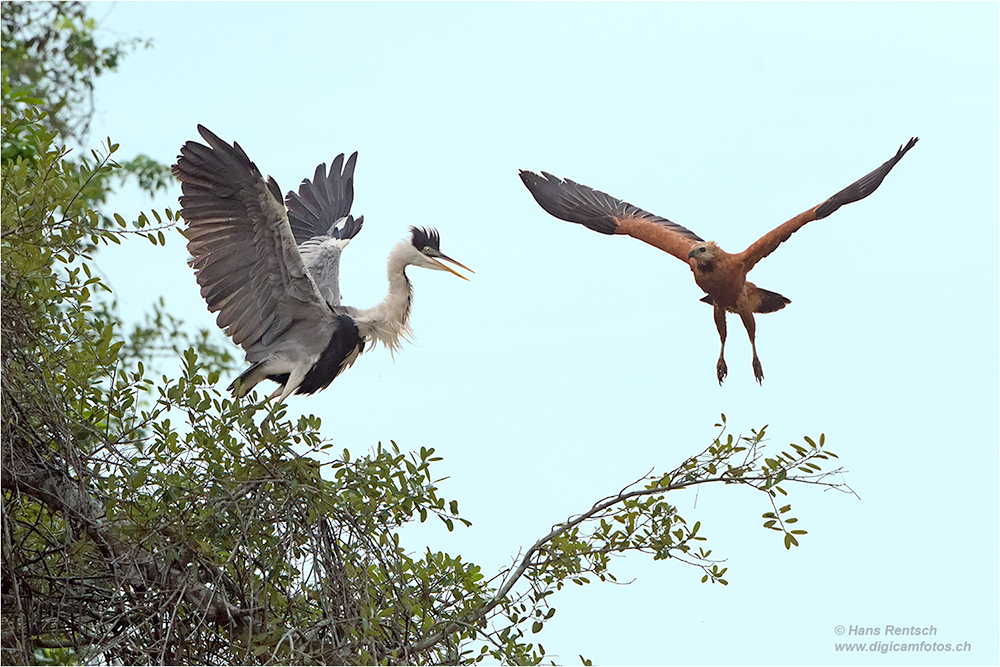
425,238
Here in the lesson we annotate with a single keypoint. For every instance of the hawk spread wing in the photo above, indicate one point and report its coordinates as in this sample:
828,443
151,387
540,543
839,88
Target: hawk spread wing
599,211
856,191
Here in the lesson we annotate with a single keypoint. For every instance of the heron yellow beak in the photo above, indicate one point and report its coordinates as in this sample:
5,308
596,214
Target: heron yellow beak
447,268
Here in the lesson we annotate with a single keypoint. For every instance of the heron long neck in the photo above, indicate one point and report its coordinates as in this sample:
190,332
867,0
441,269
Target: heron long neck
388,321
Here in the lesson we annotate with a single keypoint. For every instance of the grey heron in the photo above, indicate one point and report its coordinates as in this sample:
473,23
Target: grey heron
253,274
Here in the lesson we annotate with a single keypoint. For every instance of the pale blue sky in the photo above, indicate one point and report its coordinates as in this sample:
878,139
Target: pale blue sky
573,362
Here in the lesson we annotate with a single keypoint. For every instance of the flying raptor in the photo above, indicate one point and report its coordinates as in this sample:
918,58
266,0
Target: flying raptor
721,275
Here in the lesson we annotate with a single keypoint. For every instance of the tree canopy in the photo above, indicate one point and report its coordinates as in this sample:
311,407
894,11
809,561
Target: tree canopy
51,57
153,519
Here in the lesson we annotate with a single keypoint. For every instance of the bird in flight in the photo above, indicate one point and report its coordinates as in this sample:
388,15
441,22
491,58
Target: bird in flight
272,274
721,275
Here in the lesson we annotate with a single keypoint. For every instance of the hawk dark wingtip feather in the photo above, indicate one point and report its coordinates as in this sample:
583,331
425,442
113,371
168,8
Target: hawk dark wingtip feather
600,212
865,185
569,201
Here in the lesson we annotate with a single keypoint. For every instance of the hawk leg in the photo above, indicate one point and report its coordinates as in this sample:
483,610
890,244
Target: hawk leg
748,322
720,324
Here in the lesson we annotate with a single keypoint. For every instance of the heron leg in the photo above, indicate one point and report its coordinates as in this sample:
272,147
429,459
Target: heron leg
284,391
720,324
281,393
748,322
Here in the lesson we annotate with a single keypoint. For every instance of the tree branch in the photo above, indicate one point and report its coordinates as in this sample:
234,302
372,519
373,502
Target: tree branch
141,569
689,473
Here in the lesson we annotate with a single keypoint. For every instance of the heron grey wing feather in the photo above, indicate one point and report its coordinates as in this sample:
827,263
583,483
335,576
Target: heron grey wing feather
321,256
243,252
321,202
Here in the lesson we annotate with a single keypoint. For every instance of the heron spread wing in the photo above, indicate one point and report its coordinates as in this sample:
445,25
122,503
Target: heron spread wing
852,193
596,210
320,222
323,201
243,251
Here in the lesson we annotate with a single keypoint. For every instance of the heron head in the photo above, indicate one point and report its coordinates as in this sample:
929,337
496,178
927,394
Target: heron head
427,253
704,252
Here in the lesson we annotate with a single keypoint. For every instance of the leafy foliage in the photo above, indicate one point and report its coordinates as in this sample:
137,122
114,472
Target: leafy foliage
151,521
51,57
50,49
